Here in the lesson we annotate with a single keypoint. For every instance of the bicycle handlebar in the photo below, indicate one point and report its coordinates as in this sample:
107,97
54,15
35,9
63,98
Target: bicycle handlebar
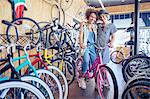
99,48
3,59
6,22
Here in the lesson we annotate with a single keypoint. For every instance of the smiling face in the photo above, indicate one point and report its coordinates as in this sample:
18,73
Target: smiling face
92,18
104,17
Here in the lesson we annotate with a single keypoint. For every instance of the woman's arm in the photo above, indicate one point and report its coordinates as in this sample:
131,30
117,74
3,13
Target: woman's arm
81,35
112,39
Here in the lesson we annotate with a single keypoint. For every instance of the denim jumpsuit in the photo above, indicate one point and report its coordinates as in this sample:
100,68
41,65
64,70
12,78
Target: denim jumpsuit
89,55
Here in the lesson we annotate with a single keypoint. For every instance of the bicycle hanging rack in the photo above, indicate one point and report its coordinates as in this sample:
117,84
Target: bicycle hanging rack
22,39
3,40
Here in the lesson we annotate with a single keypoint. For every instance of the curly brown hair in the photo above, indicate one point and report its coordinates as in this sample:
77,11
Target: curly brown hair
89,12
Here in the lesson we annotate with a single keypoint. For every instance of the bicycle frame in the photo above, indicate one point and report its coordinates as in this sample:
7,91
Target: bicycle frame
25,63
103,80
18,68
45,62
122,50
40,59
47,57
95,66
15,71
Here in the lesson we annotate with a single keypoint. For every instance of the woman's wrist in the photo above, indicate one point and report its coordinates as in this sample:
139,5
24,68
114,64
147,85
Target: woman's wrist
82,45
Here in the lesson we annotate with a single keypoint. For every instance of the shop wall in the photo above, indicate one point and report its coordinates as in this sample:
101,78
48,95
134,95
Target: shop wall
5,13
39,10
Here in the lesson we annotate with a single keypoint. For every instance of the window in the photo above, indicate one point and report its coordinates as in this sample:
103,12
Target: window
116,16
126,16
122,16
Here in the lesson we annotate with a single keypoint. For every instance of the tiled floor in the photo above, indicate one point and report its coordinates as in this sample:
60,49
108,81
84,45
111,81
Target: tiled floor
77,93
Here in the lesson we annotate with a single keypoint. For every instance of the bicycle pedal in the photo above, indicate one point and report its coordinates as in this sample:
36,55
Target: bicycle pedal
86,79
106,85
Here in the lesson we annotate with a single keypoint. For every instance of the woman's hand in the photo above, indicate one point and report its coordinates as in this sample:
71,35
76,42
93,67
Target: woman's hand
82,46
82,24
110,44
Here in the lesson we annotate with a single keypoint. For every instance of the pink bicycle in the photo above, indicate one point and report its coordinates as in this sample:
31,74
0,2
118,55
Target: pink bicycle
104,77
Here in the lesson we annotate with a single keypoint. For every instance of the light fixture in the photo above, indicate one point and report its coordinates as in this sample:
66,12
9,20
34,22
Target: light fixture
122,0
101,3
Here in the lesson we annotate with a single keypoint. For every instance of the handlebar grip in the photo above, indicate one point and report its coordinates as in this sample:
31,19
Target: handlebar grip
2,60
28,33
6,22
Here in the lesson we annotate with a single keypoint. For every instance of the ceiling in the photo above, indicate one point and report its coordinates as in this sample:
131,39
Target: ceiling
106,3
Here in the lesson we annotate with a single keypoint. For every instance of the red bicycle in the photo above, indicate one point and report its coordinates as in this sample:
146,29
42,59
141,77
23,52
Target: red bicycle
38,60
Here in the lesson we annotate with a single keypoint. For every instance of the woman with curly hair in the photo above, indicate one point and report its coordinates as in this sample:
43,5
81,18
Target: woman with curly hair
88,33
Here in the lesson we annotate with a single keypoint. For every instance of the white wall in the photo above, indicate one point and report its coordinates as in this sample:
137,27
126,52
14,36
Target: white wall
124,23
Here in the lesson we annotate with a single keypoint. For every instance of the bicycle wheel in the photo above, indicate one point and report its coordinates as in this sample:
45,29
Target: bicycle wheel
44,88
52,81
55,12
16,89
61,78
62,17
123,62
68,69
116,57
137,79
23,30
59,75
107,83
139,90
78,68
133,64
65,4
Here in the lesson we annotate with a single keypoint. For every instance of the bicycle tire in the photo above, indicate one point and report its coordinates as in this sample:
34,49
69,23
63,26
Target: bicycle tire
69,67
61,77
21,84
114,81
136,56
55,8
41,82
123,62
78,68
62,17
142,84
135,80
127,70
33,38
71,58
64,79
65,5
116,60
42,71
